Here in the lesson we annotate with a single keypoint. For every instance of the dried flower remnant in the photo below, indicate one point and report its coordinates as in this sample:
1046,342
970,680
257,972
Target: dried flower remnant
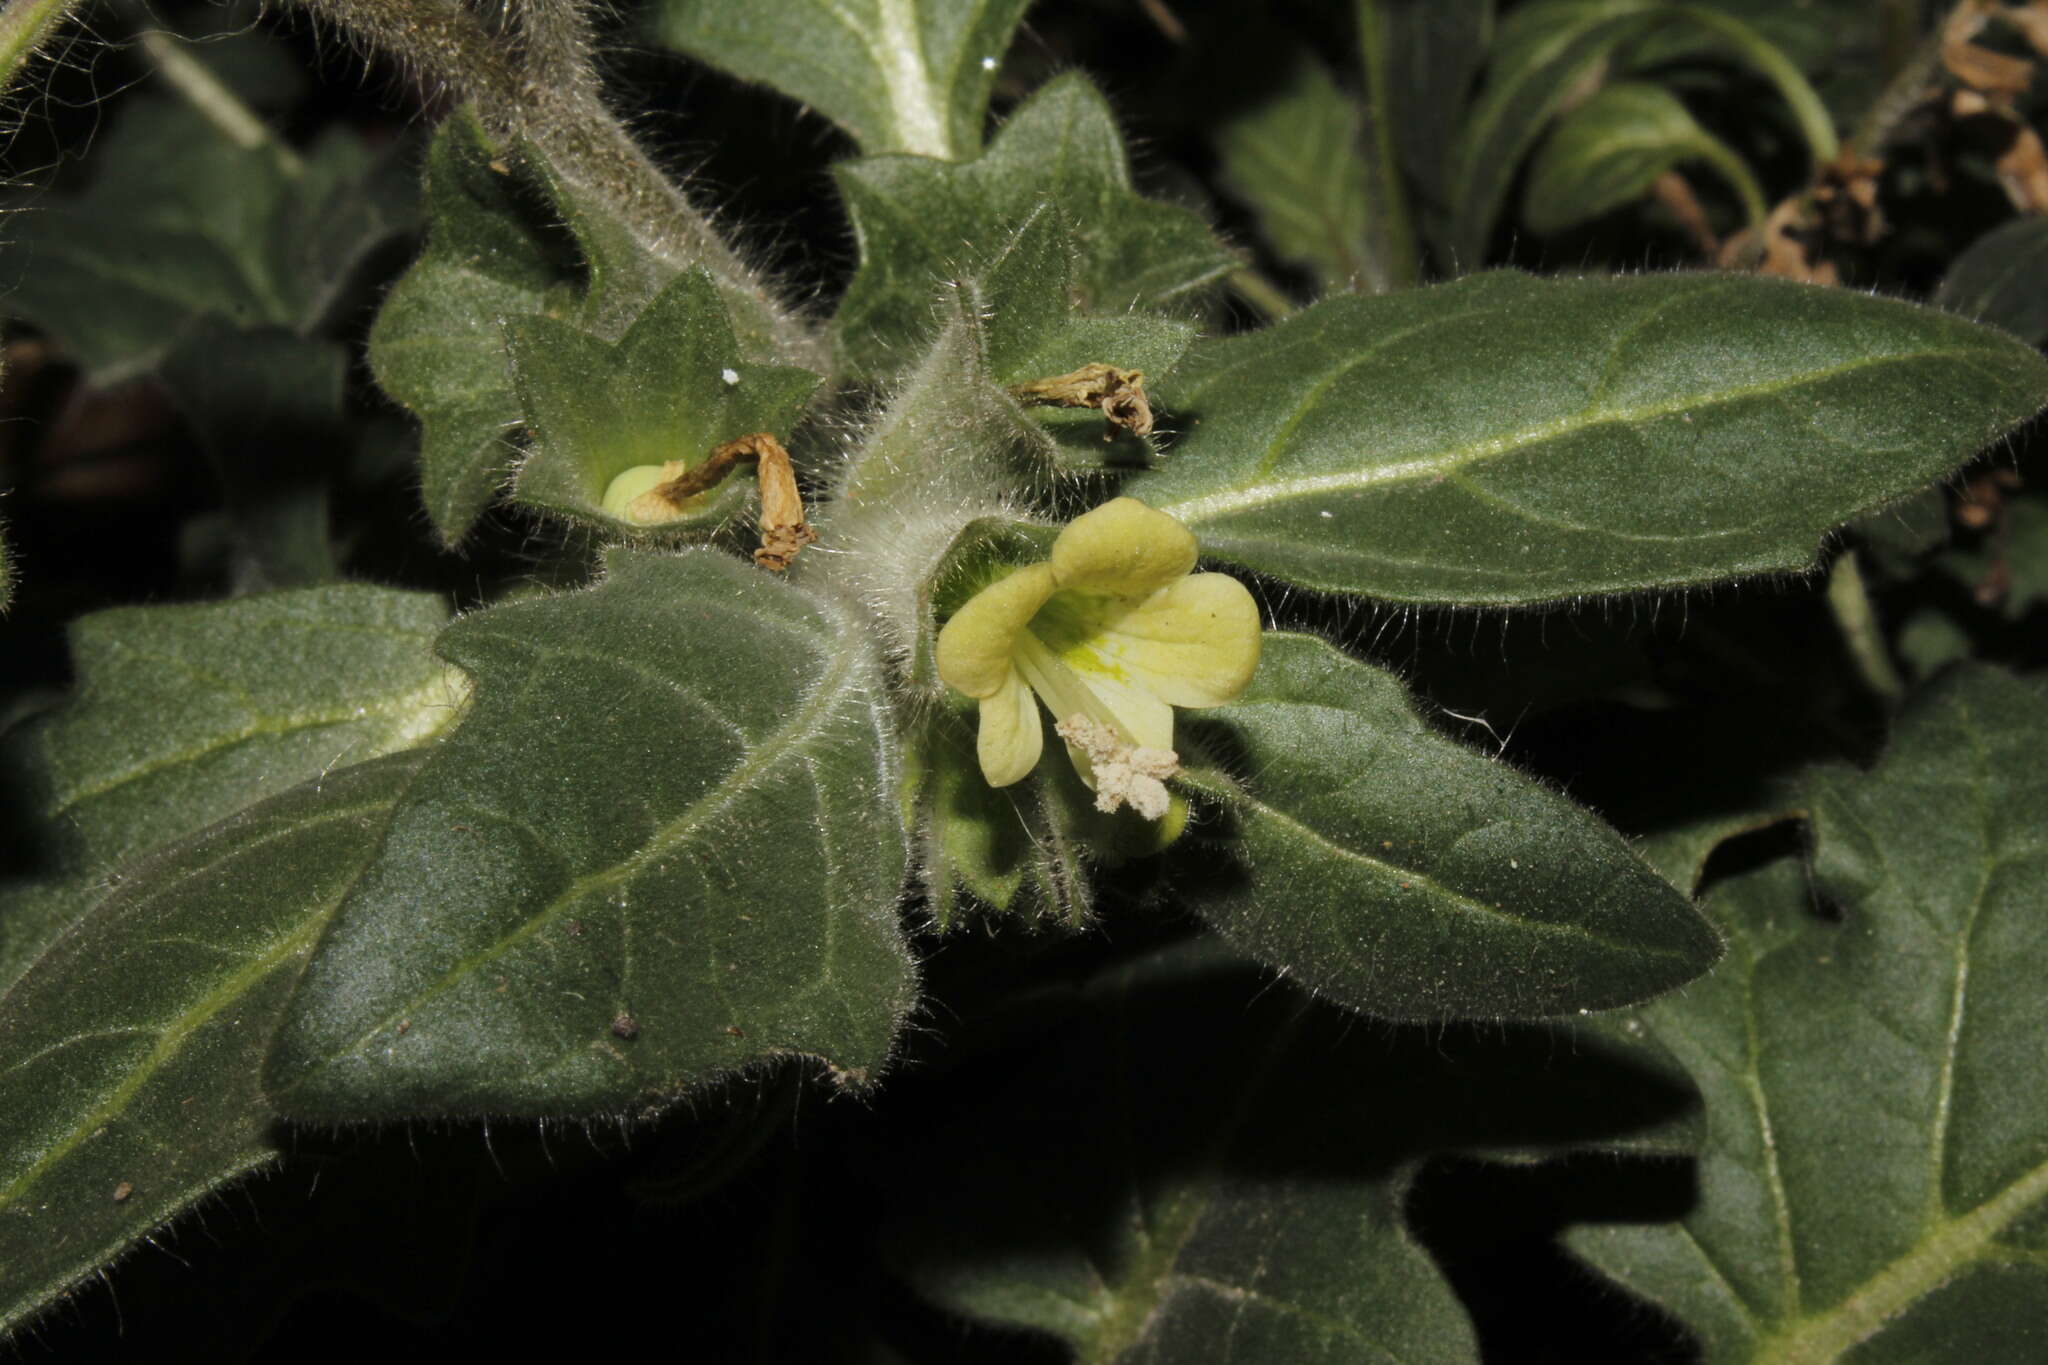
1120,394
654,495
1111,633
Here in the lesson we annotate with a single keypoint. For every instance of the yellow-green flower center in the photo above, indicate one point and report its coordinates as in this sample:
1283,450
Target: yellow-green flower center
1111,633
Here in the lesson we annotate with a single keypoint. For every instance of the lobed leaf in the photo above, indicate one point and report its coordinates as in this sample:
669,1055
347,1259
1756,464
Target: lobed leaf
1875,1160
1405,876
909,76
672,388
509,238
129,1053
184,715
1508,440
921,222
437,345
181,223
663,846
1153,1184
1030,329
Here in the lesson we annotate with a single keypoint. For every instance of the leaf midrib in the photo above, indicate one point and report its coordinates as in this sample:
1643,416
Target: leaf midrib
1443,464
171,1037
815,713
271,725
1427,883
1948,1248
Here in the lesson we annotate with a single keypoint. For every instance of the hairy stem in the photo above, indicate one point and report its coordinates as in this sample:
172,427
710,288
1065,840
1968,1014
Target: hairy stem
538,84
25,25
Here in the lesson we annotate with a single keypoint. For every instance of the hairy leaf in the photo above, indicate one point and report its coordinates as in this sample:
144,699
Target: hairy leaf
437,346
184,715
1295,159
921,222
1403,875
1875,1165
129,1053
1507,440
1022,303
508,238
662,846
182,223
1610,150
673,388
2002,278
910,76
1176,1159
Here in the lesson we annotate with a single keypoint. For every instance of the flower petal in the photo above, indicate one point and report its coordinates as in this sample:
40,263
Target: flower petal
1192,643
1140,714
1122,547
974,648
1010,737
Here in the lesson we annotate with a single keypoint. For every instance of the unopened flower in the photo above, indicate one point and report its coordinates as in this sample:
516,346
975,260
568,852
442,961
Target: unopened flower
1111,633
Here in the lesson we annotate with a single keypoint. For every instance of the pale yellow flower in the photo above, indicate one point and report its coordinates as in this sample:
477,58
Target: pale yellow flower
1111,633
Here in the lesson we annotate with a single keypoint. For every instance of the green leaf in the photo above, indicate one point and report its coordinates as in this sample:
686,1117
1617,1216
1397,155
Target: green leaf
129,1053
437,345
1510,440
1872,1176
1295,160
1166,1174
508,238
1429,55
918,222
1610,150
1386,37
909,76
661,847
662,393
2002,279
181,223
1403,875
1030,328
970,841
267,409
1542,55
1547,54
184,715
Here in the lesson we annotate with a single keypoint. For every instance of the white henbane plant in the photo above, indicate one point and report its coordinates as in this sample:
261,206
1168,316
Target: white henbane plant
688,757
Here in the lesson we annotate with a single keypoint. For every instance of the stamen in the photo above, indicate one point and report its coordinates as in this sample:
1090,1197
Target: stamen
1124,774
